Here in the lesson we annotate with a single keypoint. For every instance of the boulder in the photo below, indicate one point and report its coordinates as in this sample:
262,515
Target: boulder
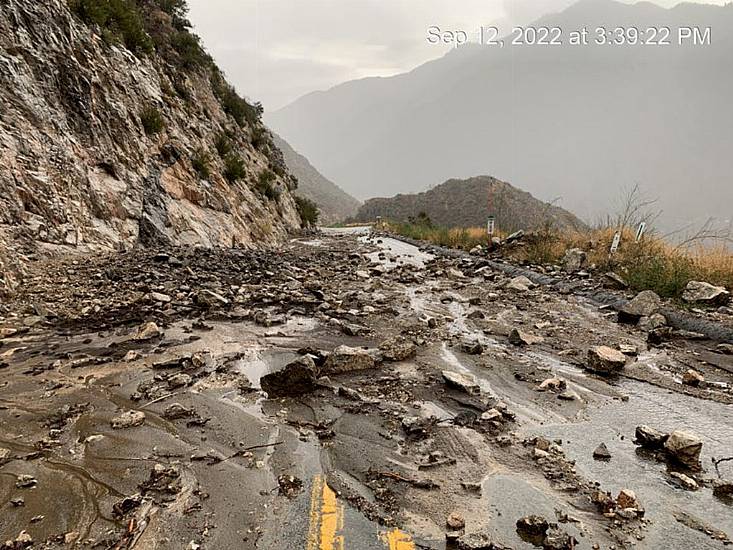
347,359
614,280
643,304
532,526
650,438
296,378
521,338
553,384
573,260
463,382
605,360
705,293
684,447
209,299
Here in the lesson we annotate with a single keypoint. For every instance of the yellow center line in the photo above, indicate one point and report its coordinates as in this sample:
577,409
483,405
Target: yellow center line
326,518
398,540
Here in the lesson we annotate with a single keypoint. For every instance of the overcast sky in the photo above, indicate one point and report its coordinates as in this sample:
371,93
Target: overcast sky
275,51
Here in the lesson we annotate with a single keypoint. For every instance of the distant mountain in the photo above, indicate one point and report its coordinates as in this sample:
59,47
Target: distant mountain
465,203
334,203
574,121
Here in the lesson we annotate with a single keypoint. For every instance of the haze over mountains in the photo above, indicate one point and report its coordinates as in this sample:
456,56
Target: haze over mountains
576,122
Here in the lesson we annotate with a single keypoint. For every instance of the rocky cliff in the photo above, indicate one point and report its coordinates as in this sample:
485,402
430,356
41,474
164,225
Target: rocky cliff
334,203
117,129
465,203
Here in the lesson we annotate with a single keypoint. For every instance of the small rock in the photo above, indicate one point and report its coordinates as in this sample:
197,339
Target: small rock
685,447
397,349
652,322
148,331
520,284
552,384
455,522
569,395
650,438
210,299
602,452
297,378
128,419
573,260
464,382
615,280
723,488
521,338
627,499
685,481
603,359
289,485
174,411
643,304
705,293
532,526
179,380
472,346
346,359
131,356
692,378
25,481
726,349
4,454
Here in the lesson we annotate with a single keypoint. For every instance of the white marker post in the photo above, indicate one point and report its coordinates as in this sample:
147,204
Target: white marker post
640,231
490,226
616,242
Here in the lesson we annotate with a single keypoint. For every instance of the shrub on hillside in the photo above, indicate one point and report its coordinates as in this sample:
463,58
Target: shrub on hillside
234,168
265,185
308,211
200,162
120,21
152,120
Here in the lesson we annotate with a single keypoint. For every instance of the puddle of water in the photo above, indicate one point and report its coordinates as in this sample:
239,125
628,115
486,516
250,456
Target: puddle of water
614,424
257,362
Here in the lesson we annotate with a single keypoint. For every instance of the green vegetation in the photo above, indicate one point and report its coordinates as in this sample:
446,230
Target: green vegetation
200,162
234,168
120,21
233,105
265,185
420,227
223,145
152,120
308,211
259,137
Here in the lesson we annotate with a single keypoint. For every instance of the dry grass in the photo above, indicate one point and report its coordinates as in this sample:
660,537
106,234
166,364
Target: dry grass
652,263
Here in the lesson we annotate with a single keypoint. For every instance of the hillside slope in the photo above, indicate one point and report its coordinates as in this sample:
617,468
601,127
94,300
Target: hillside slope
125,133
334,203
579,122
464,203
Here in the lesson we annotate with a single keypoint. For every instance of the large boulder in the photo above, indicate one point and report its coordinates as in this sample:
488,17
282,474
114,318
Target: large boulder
684,447
347,359
397,349
605,360
705,293
644,304
574,260
296,378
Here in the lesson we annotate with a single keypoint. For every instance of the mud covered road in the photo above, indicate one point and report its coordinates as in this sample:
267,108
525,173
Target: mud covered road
133,410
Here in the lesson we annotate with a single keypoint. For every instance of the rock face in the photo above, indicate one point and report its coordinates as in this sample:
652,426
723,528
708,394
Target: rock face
701,292
103,148
605,360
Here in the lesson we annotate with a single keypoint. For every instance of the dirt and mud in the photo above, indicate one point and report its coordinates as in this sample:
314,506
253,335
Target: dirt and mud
461,414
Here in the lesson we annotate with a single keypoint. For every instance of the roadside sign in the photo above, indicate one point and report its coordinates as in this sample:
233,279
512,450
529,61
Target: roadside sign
616,242
640,231
490,225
